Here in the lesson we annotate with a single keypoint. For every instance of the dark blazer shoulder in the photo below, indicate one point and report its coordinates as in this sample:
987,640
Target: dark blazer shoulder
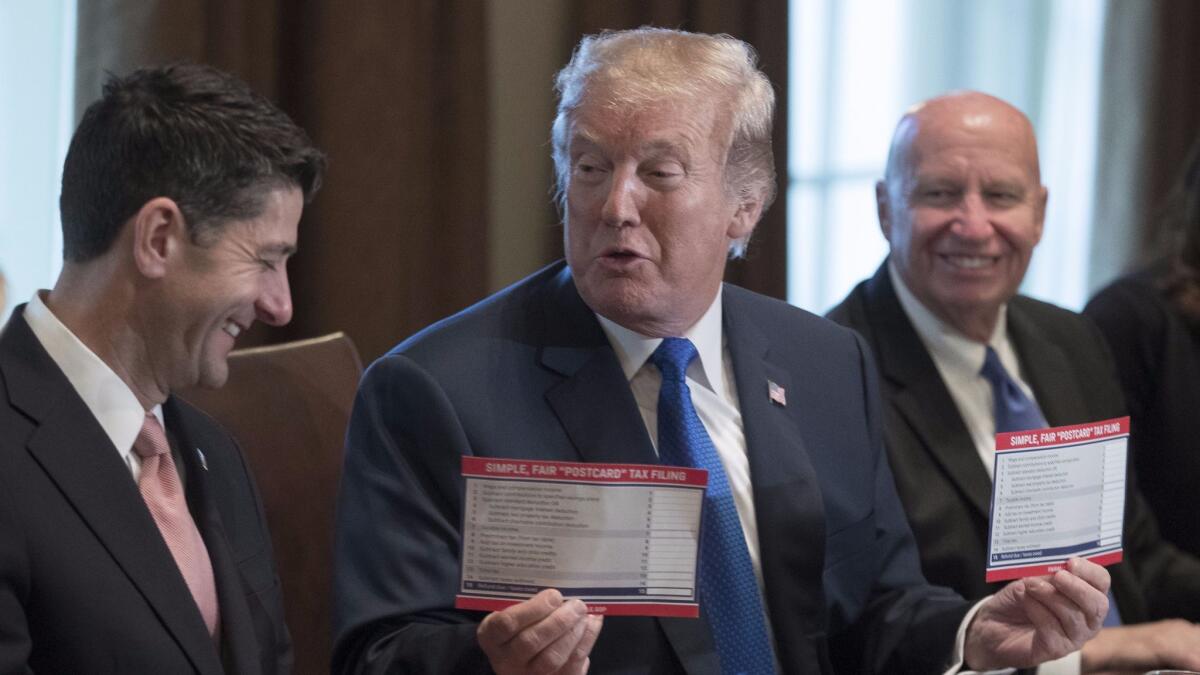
784,325
506,313
1135,300
1051,340
1060,325
852,306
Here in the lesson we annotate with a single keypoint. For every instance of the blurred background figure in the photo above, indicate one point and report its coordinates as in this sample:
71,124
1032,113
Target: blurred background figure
1151,319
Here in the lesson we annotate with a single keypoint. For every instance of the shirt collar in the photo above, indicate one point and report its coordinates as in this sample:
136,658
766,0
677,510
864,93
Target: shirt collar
633,349
945,343
106,395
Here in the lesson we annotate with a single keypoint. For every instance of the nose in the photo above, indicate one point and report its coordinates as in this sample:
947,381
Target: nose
623,201
274,304
974,221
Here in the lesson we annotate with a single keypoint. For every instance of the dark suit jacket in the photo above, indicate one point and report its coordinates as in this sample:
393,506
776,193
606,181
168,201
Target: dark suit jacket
1157,352
945,488
87,584
529,373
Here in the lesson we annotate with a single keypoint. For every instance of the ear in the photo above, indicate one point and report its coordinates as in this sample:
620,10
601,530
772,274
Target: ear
159,233
883,209
745,219
1039,214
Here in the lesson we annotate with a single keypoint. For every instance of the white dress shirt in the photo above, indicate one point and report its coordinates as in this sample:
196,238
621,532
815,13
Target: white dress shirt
714,395
959,360
106,395
710,379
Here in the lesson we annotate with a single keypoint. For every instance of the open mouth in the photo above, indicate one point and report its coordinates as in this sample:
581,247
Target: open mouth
232,329
970,262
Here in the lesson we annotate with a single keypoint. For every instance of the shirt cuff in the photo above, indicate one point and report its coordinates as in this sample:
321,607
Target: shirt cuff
960,641
1071,664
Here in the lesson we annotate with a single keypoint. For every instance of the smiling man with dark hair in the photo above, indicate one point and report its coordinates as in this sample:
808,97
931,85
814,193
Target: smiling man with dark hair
132,539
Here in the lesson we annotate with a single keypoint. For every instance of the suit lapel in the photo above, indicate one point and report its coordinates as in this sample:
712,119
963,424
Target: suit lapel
783,479
74,451
918,394
593,402
773,443
1058,393
1044,367
241,650
597,410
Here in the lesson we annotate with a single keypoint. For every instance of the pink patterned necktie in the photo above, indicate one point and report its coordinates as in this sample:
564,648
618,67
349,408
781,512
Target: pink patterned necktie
160,487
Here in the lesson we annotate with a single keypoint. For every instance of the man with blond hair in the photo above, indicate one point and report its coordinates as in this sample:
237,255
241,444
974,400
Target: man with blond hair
633,351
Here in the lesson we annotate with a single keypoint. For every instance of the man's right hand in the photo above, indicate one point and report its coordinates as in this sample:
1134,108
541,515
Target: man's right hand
1144,646
545,635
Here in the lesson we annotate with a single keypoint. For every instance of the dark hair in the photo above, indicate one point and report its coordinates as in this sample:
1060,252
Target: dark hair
188,132
1182,225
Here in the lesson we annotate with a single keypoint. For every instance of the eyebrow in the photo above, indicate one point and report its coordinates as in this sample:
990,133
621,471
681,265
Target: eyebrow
926,179
657,145
1005,184
918,182
666,147
581,134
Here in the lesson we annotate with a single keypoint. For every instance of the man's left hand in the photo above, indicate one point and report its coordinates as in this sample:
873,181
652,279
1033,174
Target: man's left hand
1039,619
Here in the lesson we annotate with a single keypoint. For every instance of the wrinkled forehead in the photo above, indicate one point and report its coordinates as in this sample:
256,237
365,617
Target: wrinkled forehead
603,113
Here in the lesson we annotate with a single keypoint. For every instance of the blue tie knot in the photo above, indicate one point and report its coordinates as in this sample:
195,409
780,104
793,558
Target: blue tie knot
1013,410
992,369
673,357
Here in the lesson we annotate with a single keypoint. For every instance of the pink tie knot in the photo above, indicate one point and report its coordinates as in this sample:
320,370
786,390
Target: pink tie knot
164,496
151,440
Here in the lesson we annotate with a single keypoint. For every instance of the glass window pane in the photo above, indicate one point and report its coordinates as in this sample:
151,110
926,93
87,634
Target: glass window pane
858,64
856,247
37,58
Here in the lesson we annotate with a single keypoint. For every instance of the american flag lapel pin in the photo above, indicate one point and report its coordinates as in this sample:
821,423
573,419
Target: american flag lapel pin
203,461
777,394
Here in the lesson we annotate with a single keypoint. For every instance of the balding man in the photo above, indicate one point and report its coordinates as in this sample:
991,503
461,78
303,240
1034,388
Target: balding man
962,207
634,351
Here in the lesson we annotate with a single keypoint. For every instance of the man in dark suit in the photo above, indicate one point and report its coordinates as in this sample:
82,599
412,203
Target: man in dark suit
962,207
132,539
662,145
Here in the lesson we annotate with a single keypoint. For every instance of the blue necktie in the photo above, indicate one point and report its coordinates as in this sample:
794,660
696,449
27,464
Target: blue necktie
728,591
1017,412
1013,409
